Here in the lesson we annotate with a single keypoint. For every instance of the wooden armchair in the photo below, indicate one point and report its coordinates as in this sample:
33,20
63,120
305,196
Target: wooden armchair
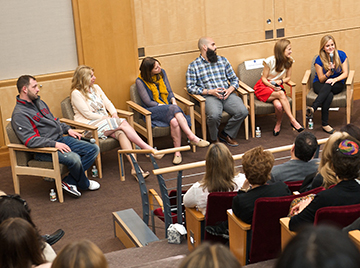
104,145
343,99
142,117
248,79
200,114
23,163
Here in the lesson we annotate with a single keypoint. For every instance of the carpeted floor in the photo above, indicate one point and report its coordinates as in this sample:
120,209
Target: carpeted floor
90,216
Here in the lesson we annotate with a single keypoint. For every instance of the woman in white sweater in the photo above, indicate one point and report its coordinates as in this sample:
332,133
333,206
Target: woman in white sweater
219,177
91,106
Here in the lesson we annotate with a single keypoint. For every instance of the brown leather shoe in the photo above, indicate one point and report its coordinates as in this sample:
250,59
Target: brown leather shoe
228,140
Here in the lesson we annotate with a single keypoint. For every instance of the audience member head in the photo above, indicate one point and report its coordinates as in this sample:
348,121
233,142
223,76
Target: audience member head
220,169
81,254
82,79
20,244
23,81
326,166
146,69
282,51
12,206
352,130
346,158
257,165
210,256
305,146
320,247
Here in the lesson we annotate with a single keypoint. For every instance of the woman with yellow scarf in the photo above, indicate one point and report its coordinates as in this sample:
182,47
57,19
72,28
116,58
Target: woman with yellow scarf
156,95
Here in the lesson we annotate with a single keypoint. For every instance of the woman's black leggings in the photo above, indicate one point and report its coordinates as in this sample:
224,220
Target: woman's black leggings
325,96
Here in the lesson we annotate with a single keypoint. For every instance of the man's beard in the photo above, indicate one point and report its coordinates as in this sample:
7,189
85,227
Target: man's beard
32,96
211,55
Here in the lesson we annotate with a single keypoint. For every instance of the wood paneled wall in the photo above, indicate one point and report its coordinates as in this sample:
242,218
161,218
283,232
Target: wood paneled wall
109,33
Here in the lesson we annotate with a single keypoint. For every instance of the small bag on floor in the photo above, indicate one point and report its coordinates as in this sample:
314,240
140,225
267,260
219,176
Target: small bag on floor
176,233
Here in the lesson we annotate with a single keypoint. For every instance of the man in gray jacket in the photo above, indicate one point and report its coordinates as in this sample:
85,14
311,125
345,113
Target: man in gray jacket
301,163
35,126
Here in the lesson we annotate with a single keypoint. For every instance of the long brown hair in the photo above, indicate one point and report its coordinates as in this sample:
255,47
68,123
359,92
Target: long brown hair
282,62
81,79
220,169
325,58
20,245
146,67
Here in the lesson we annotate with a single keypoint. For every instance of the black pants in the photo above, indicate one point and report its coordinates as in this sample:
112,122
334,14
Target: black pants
325,96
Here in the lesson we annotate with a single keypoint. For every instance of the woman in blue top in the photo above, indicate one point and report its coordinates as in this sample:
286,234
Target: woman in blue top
156,95
331,71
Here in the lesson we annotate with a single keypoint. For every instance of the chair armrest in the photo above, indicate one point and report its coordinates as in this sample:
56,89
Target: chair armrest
124,113
350,78
154,195
183,100
306,77
198,98
21,147
286,234
242,91
75,124
195,227
355,237
291,84
128,115
138,108
246,87
238,234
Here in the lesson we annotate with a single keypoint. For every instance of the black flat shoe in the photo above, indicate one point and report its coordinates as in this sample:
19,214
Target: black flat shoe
330,131
54,237
297,129
276,133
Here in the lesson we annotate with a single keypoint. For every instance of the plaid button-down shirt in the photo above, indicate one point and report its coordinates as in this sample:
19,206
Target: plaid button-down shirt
202,74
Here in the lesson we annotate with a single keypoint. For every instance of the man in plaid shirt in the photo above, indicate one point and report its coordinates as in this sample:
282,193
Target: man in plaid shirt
213,77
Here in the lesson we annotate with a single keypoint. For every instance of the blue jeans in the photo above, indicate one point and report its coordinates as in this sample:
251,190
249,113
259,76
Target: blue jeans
81,157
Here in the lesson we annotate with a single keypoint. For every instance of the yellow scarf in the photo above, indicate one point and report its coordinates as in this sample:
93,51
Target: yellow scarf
162,89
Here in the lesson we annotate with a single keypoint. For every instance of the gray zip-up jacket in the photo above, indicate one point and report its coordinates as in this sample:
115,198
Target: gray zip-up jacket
35,125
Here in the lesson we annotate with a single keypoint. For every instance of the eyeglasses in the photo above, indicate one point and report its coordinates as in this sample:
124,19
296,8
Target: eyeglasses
16,197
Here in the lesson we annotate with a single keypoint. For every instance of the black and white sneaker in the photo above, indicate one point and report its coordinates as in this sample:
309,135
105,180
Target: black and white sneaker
70,189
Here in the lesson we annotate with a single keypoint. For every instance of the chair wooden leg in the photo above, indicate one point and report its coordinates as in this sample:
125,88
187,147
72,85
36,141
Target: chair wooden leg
59,189
246,125
99,165
15,177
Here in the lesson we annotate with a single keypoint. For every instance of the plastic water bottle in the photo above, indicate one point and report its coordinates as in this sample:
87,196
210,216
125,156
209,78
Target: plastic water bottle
53,197
258,132
94,172
310,124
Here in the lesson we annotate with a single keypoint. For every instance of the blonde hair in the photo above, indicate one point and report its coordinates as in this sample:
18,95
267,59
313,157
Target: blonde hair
81,254
281,61
81,79
210,256
220,169
323,55
325,166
